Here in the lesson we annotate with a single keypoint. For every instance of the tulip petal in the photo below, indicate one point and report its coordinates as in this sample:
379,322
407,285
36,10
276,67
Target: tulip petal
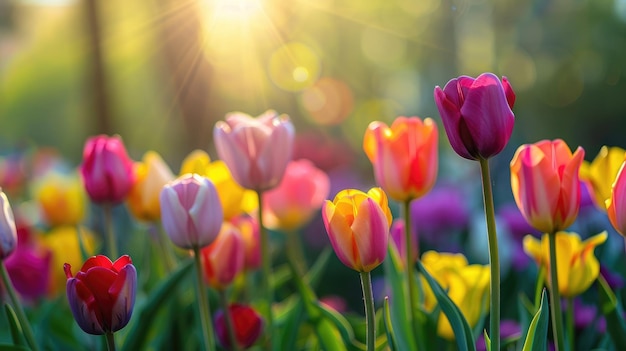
371,230
174,217
79,298
123,291
340,234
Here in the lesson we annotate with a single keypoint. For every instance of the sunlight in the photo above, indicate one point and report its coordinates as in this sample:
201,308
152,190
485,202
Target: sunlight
241,10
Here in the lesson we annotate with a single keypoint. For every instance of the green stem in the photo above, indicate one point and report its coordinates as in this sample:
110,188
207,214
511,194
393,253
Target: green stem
110,341
295,252
370,317
494,261
203,302
555,298
266,273
110,234
21,316
570,322
165,247
84,254
230,326
410,274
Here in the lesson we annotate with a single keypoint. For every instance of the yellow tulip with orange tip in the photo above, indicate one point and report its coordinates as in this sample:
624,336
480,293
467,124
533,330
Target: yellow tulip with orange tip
150,176
234,198
576,265
60,198
600,173
63,242
467,286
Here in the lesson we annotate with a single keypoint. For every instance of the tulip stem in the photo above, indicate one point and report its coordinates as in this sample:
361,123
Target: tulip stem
166,250
555,306
203,302
266,270
570,322
370,317
110,234
230,326
494,261
110,341
21,316
410,273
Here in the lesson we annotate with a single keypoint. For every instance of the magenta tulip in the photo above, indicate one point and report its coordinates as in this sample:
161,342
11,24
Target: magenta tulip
8,232
476,114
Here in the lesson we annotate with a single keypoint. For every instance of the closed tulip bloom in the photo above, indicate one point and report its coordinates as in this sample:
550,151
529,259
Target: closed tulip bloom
234,198
299,195
467,286
248,326
191,212
476,114
61,198
616,204
107,170
223,259
256,150
357,224
404,156
576,265
398,240
600,173
8,231
248,227
545,184
102,294
151,175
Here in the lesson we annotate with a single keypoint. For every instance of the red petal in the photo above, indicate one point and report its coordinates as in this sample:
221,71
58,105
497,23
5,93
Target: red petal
97,261
121,263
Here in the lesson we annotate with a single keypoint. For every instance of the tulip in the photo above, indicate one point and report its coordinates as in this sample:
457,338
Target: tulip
467,286
476,114
398,240
102,294
191,212
600,174
576,265
248,228
61,198
248,325
256,150
235,200
298,196
151,175
107,170
404,156
223,259
8,231
358,227
616,204
545,184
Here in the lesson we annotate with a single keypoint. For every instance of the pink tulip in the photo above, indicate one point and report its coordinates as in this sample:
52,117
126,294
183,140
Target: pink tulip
476,114
107,170
298,196
256,150
616,205
8,231
398,240
545,184
249,230
191,211
224,259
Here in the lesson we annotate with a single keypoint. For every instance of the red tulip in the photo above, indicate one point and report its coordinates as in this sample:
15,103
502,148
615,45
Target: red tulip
247,323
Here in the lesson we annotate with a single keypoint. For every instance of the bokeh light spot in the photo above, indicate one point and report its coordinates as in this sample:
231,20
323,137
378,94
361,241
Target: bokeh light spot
294,67
329,101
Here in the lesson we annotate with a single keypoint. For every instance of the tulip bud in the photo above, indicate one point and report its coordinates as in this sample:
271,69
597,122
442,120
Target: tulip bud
224,258
247,324
151,174
8,232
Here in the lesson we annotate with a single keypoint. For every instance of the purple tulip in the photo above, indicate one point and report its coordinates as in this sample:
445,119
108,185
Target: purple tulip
477,114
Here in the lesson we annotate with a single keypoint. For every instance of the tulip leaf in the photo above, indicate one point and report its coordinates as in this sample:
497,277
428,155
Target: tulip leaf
487,340
292,321
163,291
536,337
14,326
342,324
391,338
612,312
9,347
460,327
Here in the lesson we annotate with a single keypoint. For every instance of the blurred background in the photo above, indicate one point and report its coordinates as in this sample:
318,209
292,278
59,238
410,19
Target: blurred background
161,72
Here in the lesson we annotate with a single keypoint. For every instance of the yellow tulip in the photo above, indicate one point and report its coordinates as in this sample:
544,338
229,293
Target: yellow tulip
234,198
601,173
576,265
467,286
61,198
151,175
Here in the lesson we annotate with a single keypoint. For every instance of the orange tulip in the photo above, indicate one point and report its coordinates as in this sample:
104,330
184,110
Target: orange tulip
404,156
545,184
151,175
616,204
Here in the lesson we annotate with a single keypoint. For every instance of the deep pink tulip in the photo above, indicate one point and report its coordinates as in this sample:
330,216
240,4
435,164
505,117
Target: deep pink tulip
256,150
8,231
616,205
398,240
102,294
247,322
224,259
298,196
107,171
191,211
476,114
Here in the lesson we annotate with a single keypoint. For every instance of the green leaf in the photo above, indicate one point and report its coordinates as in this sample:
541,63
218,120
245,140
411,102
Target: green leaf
613,314
487,340
391,338
14,326
166,289
460,327
537,336
8,347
